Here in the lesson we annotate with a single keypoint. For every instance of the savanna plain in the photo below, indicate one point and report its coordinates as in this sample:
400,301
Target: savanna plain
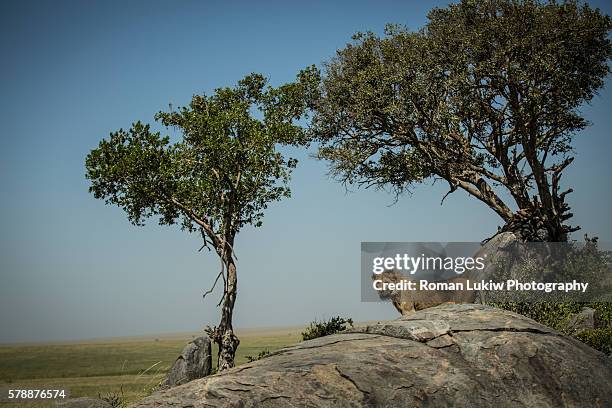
125,369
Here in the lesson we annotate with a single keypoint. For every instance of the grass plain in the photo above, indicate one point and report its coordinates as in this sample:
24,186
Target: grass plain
129,367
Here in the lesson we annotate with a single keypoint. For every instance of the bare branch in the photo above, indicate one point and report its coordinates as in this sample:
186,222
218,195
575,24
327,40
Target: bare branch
453,188
205,239
209,291
201,221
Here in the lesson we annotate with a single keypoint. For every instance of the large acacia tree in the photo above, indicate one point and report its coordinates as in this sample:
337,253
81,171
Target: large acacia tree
220,176
485,97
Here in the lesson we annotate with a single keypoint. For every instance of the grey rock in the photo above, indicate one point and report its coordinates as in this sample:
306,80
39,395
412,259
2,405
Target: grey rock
584,320
507,257
194,362
449,355
84,402
495,251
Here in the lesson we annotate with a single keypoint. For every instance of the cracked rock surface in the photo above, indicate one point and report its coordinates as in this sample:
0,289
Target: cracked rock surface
450,355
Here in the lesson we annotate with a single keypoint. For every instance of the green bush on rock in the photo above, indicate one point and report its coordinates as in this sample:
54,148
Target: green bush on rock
325,328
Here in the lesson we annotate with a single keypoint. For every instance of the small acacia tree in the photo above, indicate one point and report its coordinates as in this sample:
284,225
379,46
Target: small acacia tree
220,177
486,97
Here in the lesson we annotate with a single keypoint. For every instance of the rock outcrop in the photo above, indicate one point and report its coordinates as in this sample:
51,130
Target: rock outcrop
450,355
584,320
194,362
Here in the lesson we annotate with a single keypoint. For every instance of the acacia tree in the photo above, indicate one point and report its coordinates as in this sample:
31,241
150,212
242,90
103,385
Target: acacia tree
218,178
485,97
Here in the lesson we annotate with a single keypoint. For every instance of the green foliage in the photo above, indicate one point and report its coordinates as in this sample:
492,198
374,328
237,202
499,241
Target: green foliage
259,356
600,339
224,171
485,97
556,316
553,315
325,328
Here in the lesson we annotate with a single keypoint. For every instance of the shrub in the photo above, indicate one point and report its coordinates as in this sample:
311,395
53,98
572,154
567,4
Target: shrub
600,339
115,399
259,356
553,315
325,328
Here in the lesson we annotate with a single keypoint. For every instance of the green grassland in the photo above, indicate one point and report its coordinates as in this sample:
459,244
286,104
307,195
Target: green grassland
127,367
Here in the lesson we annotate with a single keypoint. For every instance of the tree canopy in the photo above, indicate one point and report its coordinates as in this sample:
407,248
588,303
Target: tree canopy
486,97
220,176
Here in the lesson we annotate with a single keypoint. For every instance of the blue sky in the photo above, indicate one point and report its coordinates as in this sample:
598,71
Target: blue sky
73,71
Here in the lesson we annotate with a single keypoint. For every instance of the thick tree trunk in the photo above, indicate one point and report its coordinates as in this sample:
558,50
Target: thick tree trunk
224,336
534,225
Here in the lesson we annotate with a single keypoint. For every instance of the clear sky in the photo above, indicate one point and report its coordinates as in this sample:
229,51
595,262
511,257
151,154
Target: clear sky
72,71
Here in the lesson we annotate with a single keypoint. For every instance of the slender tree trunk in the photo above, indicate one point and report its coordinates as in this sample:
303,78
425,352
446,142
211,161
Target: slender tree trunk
224,336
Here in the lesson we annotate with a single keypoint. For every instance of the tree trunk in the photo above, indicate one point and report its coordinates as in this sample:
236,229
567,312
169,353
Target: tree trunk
534,225
224,336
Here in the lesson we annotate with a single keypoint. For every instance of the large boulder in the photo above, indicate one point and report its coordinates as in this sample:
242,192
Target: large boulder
449,355
194,362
